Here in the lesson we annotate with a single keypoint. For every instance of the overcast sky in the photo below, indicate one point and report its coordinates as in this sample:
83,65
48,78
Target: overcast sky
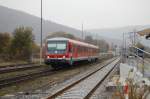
93,13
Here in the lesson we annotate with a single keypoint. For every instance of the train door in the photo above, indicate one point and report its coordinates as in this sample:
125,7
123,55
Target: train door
71,53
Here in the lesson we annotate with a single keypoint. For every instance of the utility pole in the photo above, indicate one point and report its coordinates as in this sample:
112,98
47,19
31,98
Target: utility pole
134,37
96,39
131,37
41,33
82,31
123,48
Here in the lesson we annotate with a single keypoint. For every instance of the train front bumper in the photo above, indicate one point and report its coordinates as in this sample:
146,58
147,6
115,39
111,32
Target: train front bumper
56,60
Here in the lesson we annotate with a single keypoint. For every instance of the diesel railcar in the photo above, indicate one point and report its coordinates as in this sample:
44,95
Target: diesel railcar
67,51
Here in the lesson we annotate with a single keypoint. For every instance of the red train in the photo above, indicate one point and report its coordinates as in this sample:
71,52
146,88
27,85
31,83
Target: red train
63,50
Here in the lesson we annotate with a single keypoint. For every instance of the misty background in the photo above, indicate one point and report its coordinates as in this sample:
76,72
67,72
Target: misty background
105,19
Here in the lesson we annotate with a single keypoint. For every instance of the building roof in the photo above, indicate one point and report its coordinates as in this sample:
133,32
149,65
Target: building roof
144,32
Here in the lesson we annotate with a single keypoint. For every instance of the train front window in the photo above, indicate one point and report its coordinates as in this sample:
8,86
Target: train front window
61,46
52,46
56,47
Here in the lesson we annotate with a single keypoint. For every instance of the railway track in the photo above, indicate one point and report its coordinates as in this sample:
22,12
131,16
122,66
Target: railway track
12,68
14,65
20,78
24,77
85,86
19,67
27,93
4,82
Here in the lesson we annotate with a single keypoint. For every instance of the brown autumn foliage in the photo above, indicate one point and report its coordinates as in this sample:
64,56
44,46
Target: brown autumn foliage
5,42
19,46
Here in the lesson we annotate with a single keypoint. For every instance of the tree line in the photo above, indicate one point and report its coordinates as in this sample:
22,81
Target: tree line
21,45
102,44
18,46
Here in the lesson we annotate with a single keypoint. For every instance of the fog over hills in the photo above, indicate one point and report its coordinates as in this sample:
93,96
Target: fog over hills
10,19
117,33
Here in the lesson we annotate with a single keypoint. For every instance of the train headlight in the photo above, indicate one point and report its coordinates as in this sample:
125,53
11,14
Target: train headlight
48,57
64,56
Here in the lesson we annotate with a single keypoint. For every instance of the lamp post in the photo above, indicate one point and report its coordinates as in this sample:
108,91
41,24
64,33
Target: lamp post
41,33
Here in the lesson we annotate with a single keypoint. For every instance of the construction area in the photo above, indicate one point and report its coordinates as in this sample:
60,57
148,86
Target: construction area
133,79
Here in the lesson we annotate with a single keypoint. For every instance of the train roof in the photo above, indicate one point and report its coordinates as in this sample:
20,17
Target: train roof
73,41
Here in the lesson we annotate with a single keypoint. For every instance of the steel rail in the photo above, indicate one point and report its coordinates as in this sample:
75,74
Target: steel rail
61,91
15,65
12,80
20,78
12,68
103,79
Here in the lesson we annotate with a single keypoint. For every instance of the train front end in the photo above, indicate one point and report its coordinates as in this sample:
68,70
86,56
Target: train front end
56,52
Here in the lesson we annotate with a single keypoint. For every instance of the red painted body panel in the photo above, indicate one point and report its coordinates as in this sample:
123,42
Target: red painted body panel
76,50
